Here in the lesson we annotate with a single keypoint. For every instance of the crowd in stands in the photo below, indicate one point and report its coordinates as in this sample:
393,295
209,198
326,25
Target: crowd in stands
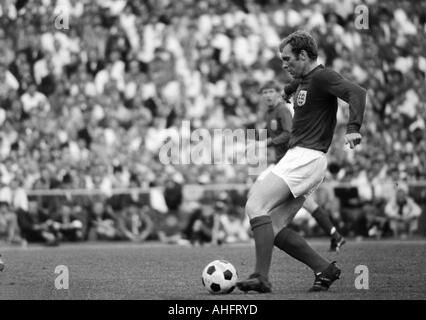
91,90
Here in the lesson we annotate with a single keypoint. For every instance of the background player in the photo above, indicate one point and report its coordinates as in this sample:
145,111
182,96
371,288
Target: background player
302,169
278,120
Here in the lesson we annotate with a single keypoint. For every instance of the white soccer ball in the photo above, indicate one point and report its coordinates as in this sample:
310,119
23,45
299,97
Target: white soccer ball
219,277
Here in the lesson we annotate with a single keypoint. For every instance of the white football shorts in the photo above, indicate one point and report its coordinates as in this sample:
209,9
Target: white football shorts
302,169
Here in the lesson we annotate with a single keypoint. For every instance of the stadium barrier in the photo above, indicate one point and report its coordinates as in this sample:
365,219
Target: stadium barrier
193,192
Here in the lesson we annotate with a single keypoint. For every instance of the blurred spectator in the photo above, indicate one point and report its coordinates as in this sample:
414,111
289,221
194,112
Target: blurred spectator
403,214
353,216
233,224
170,227
102,223
377,222
35,226
69,227
19,195
9,230
173,195
34,99
203,226
135,224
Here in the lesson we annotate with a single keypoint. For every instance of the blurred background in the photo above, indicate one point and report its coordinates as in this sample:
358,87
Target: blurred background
91,90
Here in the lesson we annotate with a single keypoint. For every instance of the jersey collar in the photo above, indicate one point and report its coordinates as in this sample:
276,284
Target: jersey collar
320,66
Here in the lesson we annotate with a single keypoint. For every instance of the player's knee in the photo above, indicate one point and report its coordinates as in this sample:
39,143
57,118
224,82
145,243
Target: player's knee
255,208
310,205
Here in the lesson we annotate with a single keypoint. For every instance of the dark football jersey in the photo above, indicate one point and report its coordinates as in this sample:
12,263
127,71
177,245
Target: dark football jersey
315,107
278,125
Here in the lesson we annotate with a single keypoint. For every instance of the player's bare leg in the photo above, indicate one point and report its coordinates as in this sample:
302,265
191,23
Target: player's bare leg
267,195
293,244
337,240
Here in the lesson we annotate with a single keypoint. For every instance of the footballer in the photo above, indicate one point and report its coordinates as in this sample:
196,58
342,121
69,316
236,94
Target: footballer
302,169
278,124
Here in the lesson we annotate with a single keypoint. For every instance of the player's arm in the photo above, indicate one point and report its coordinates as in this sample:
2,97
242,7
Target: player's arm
289,89
351,93
286,124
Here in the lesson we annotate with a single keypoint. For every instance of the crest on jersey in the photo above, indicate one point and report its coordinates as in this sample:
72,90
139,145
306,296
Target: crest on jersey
301,97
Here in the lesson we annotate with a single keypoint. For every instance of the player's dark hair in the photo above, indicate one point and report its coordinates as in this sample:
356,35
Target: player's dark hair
301,40
271,85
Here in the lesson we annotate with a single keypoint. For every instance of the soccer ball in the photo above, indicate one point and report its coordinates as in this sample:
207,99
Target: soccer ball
219,277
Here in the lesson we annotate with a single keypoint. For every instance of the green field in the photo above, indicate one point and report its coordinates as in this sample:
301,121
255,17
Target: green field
154,271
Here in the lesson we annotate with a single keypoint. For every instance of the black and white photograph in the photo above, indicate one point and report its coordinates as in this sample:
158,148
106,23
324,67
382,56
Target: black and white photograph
213,155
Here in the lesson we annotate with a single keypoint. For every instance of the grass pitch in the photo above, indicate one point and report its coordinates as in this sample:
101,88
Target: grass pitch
396,270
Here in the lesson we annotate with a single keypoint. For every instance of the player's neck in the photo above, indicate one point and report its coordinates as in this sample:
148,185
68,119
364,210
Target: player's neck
311,66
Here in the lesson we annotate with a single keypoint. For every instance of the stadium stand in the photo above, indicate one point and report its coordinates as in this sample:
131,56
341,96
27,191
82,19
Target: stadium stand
91,90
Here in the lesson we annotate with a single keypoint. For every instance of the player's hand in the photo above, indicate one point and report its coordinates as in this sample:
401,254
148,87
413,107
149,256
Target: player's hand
353,139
